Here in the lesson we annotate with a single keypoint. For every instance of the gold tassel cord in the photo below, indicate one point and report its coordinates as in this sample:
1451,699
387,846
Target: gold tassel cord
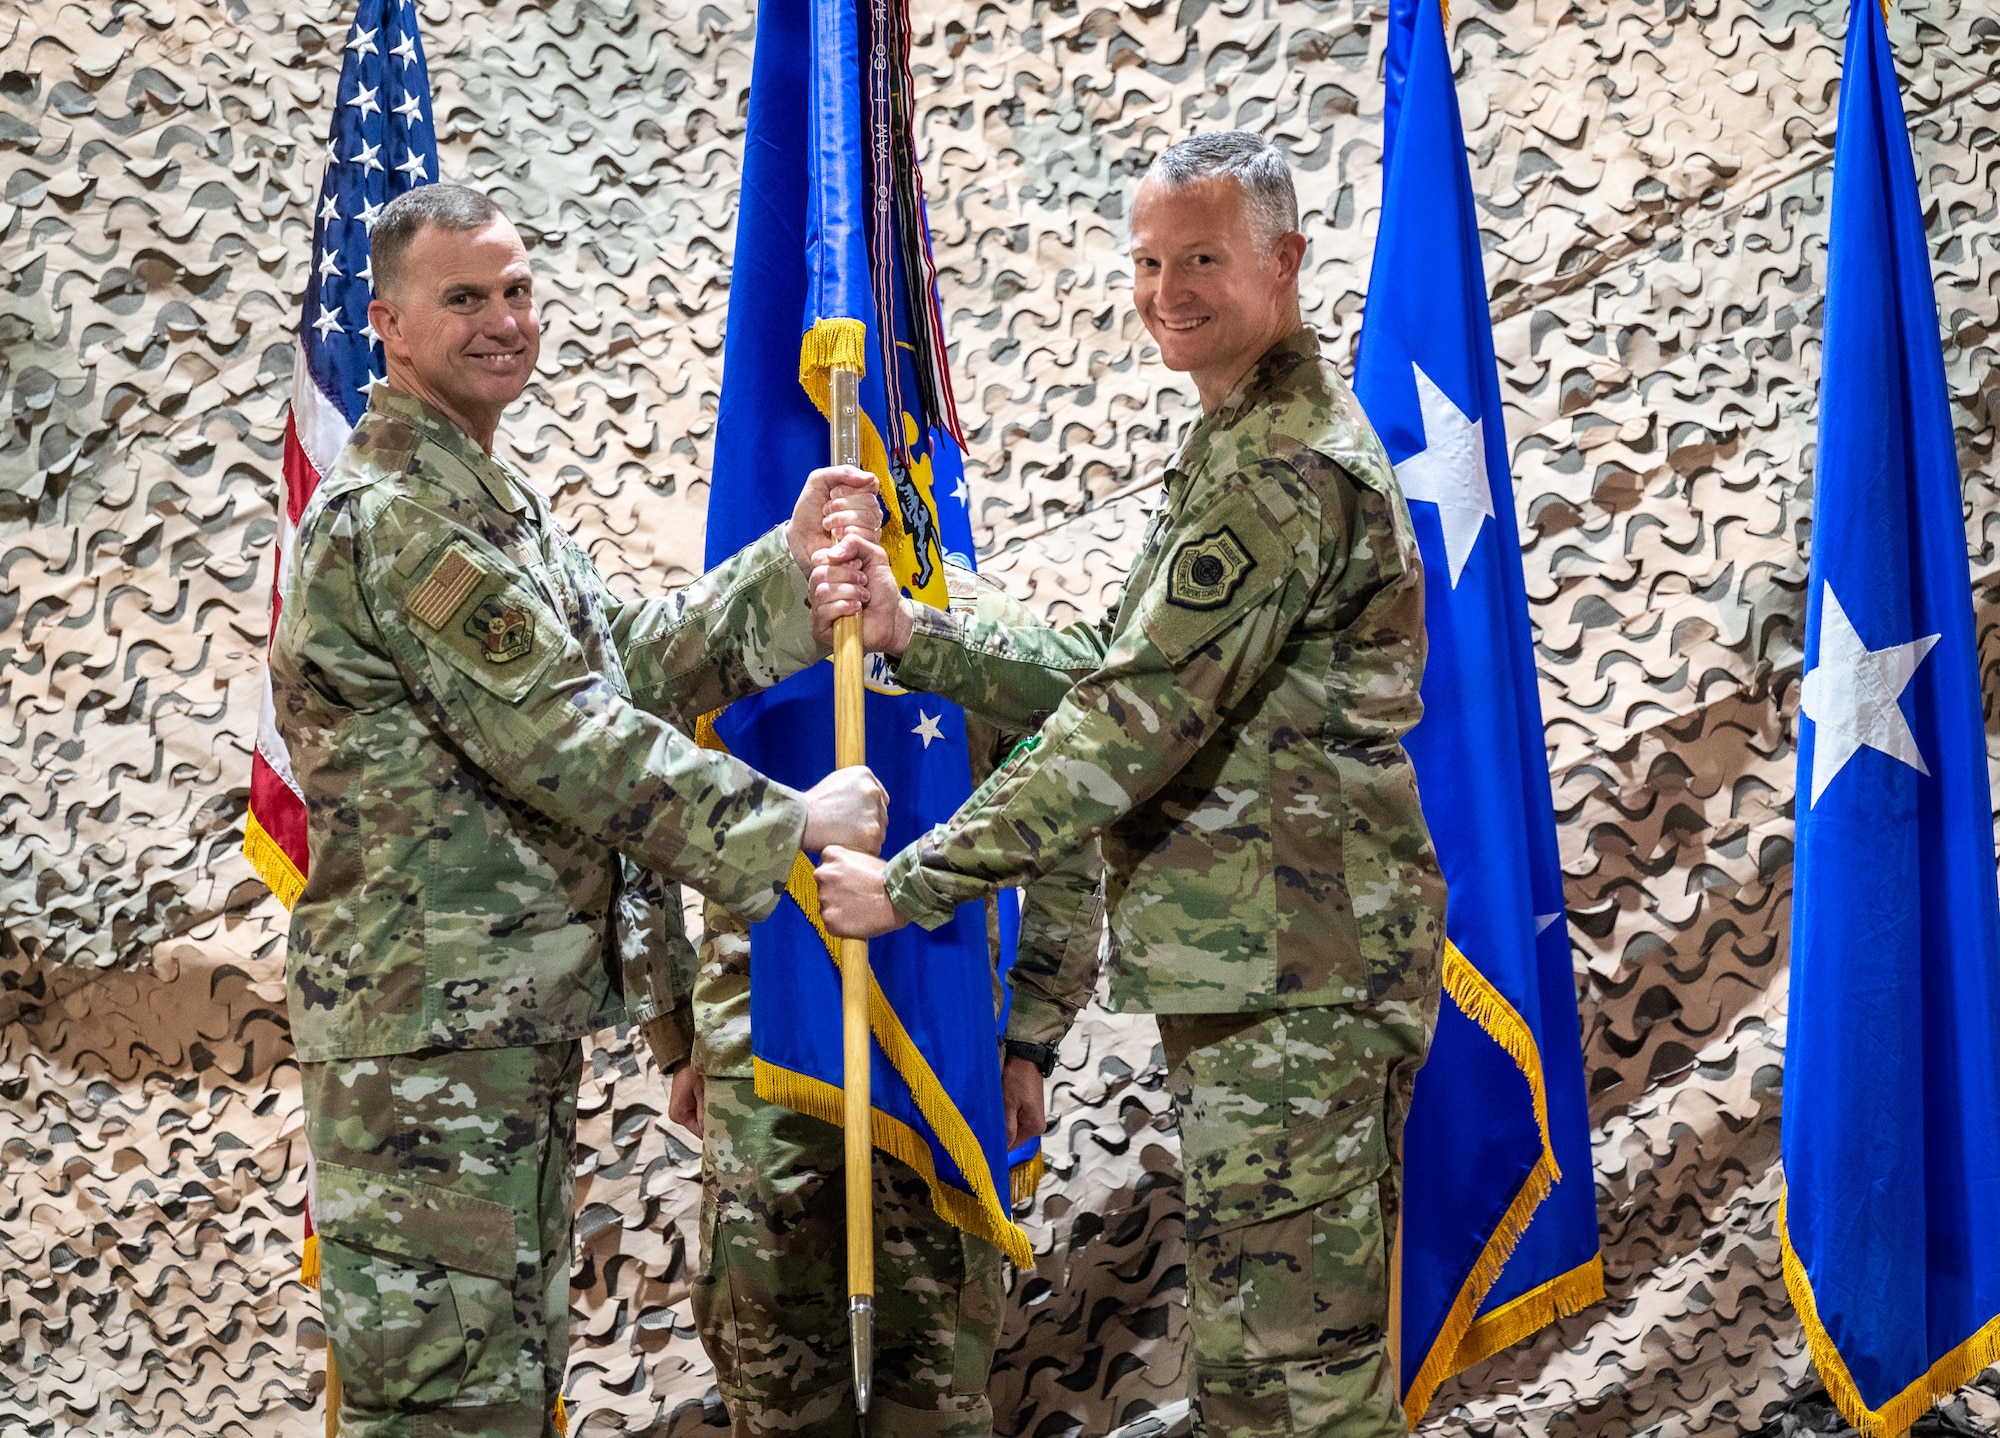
1944,1377
1479,1001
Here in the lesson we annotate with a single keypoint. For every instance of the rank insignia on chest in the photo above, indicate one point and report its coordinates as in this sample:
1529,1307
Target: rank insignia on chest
1207,572
504,631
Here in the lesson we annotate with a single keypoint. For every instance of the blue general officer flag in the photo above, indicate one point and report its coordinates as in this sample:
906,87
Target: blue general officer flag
1499,1217
832,266
1890,1224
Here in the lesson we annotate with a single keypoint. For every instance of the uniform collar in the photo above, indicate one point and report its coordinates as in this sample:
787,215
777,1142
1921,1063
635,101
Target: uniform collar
1262,382
434,427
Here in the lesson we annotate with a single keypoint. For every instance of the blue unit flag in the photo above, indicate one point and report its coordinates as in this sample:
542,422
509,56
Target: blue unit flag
833,267
1500,1214
1890,1224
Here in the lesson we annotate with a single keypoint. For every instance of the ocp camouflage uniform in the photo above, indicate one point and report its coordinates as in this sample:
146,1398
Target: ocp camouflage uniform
1232,735
770,1297
486,739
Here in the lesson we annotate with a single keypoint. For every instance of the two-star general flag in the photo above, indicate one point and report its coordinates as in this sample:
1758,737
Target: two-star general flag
1890,1223
1500,1215
832,266
379,144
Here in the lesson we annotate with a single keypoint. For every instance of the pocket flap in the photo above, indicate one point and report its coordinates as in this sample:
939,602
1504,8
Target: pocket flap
1283,1170
420,1222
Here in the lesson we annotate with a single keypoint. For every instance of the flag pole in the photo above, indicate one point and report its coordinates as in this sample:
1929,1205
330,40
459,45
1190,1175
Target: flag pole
850,747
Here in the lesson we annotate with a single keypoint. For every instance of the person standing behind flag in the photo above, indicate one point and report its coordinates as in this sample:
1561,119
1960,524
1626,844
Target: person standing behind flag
485,738
1233,733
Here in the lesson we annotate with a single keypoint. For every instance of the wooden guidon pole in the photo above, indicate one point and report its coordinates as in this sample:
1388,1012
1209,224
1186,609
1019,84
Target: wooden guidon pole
850,747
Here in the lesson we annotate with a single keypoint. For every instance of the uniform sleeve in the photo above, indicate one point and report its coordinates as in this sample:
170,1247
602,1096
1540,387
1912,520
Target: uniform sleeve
1234,578
998,661
734,632
508,684
1056,960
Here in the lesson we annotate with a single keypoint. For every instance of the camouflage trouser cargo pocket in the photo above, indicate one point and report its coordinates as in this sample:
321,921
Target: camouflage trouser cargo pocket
442,1198
1289,1124
422,1281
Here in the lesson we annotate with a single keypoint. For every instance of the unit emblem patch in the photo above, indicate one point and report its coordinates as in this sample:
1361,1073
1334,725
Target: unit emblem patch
1207,572
504,631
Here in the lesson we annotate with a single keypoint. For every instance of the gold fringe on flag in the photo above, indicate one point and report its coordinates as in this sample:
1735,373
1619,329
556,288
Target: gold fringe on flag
1479,1001
273,865
561,1416
1945,1377
830,345
1531,1313
309,1262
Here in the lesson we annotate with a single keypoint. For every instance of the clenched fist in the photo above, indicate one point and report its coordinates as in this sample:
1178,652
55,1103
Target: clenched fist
848,809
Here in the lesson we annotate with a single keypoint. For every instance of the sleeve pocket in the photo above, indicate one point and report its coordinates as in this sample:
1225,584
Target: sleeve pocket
1217,567
418,1222
484,619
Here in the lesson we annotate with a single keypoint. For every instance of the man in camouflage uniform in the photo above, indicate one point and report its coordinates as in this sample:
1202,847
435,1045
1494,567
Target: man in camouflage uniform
770,1296
1232,732
485,737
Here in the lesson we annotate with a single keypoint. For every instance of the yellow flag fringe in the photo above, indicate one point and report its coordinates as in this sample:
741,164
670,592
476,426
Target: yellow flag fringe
309,1262
1531,1312
830,345
273,865
1479,1001
1945,1377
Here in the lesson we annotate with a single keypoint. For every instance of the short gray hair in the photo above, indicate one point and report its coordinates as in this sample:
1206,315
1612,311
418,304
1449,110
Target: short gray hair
441,206
1258,167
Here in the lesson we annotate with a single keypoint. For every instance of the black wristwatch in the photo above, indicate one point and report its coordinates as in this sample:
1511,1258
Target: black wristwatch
1042,1056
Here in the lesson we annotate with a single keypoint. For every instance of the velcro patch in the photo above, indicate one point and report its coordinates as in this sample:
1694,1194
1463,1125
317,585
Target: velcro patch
1207,572
504,630
451,581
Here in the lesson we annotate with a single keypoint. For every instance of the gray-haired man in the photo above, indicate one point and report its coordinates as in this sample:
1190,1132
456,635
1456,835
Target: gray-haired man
1232,733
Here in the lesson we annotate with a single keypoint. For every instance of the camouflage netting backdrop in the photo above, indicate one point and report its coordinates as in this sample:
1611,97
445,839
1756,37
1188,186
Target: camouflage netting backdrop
1654,179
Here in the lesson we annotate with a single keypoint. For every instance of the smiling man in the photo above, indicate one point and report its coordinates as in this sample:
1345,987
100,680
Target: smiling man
501,797
1231,733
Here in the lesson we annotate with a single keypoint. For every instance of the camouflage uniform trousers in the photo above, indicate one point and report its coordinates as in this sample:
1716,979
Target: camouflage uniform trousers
442,1198
771,1297
1291,1137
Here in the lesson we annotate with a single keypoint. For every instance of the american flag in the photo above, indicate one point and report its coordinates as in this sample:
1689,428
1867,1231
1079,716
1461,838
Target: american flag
380,143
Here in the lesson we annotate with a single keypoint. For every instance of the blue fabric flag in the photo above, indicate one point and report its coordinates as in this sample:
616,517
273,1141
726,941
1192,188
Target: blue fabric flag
1499,1217
1891,1217
819,281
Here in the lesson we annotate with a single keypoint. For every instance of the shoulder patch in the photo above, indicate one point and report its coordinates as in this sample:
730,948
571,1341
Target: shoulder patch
1206,573
453,577
504,631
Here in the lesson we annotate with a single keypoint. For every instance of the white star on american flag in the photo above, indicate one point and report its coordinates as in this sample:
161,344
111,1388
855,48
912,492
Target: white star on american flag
367,158
405,50
329,212
413,166
329,323
368,331
363,99
329,264
362,42
369,213
410,109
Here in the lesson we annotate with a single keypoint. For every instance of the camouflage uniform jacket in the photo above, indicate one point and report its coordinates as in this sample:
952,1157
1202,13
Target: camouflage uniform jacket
475,719
1062,912
1232,731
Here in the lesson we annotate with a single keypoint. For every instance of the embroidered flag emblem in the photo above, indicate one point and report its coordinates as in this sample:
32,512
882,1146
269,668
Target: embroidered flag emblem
449,584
